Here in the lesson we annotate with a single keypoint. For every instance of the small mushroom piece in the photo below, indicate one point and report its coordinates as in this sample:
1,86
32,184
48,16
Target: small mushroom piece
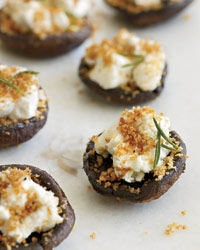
121,162
24,105
50,33
41,240
125,69
140,14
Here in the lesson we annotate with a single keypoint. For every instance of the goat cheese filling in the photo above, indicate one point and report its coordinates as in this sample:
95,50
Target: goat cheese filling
138,6
146,3
132,143
126,60
150,3
20,103
78,8
25,206
43,17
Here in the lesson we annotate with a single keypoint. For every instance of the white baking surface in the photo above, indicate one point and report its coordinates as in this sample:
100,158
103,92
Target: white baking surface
75,115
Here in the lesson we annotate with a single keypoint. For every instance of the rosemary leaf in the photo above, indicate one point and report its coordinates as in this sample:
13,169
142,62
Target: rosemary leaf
9,83
167,147
69,14
138,59
163,134
135,62
130,55
32,72
157,151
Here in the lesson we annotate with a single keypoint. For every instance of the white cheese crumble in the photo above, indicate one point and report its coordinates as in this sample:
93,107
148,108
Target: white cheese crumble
146,3
26,207
36,17
150,3
131,141
112,75
23,107
78,8
110,61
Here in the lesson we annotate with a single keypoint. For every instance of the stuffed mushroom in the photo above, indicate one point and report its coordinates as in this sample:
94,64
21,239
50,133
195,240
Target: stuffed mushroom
125,69
23,105
43,29
137,159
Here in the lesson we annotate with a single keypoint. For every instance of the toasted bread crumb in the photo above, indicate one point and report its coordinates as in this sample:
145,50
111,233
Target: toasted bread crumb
186,17
93,235
174,226
184,212
90,187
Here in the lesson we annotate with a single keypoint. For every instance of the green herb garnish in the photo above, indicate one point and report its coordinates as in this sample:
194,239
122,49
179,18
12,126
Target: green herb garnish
164,135
159,145
32,72
11,84
167,147
137,59
69,14
157,151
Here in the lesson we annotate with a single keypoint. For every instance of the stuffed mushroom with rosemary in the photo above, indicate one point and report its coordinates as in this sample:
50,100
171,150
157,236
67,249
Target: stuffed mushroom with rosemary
147,12
137,159
23,105
125,69
44,28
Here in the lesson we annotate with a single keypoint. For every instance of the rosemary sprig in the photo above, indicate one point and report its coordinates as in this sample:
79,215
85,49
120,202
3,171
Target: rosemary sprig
160,134
137,59
157,151
69,14
164,135
9,83
32,72
167,147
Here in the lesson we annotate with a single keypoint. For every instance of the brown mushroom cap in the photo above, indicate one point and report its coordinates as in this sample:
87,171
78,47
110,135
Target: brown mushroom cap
50,46
147,190
120,95
47,241
150,17
14,133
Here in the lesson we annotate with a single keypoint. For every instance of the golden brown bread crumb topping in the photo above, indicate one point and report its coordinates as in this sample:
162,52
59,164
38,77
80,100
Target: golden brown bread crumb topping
119,45
14,178
22,81
10,27
131,133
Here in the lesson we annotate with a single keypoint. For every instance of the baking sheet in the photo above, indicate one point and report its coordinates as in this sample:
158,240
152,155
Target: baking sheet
76,114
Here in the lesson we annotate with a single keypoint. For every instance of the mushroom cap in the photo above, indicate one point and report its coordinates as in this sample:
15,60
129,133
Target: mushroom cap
147,190
120,95
50,45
